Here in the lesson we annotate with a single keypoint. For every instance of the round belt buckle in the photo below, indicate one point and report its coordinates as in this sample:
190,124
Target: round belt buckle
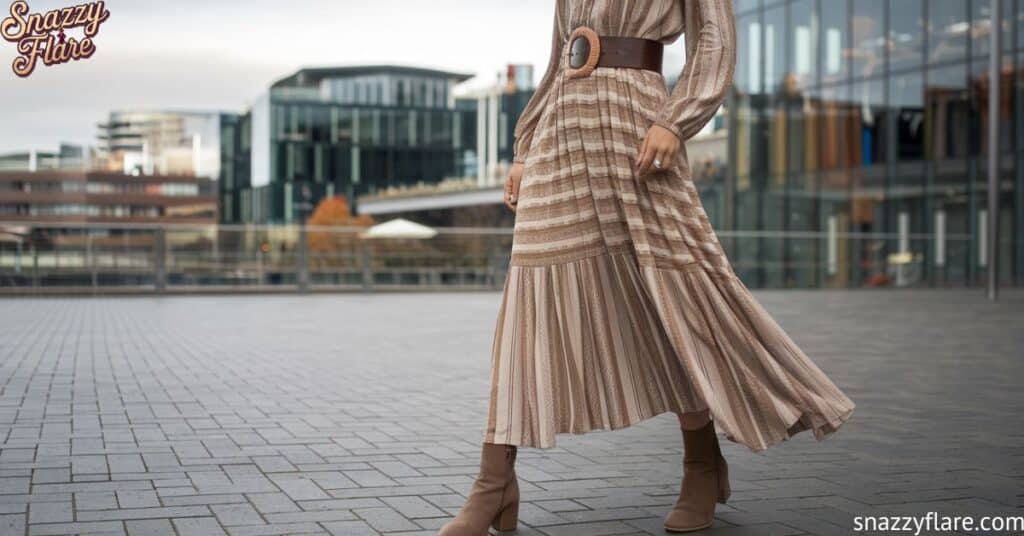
584,51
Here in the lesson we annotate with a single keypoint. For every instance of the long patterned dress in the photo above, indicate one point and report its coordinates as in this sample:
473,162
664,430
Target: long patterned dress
620,303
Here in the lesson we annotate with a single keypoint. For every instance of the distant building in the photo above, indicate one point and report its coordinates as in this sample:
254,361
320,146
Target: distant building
342,130
359,131
519,77
68,157
60,196
161,143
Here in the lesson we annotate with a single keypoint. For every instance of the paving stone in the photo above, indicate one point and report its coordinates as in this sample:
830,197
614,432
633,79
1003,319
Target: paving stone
95,500
272,503
12,524
350,528
413,507
199,526
143,513
50,512
89,465
149,527
51,476
385,519
274,530
237,514
126,463
101,527
12,485
137,499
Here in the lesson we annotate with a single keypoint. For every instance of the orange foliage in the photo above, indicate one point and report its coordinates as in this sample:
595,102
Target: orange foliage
334,212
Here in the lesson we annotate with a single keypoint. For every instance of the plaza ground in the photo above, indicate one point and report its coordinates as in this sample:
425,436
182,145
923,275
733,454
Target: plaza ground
362,414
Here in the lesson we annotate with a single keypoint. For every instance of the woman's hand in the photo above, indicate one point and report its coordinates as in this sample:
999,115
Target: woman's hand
658,151
515,176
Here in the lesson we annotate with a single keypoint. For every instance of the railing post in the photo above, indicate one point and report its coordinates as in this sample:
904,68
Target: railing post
35,266
18,258
91,258
160,260
302,261
492,260
367,264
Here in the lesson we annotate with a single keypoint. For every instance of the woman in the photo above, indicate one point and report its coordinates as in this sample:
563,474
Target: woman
620,304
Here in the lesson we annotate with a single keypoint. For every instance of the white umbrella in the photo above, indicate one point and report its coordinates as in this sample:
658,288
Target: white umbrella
399,228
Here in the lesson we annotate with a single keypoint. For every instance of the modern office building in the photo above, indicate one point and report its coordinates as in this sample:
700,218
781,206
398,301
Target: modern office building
74,197
360,131
157,142
345,130
858,142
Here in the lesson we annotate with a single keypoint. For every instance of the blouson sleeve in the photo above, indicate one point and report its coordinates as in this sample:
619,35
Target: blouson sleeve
710,64
528,120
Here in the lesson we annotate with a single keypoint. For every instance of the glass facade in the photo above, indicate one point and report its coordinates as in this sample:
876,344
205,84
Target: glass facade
858,139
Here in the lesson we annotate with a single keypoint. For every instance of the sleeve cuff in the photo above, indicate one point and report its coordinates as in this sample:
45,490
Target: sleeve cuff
662,122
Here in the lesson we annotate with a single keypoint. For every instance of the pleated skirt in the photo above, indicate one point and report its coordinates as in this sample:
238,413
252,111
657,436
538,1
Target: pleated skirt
620,303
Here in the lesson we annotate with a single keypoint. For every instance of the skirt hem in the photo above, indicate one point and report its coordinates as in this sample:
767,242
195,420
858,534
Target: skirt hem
794,429
607,341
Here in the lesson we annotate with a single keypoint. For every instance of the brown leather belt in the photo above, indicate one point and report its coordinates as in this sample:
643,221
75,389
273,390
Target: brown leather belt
588,51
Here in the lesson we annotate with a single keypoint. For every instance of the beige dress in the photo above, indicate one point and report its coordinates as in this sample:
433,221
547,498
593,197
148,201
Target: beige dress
620,304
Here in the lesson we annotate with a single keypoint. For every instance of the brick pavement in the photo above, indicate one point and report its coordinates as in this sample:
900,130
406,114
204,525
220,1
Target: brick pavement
361,415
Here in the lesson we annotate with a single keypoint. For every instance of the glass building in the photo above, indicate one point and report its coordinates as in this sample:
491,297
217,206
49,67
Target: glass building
858,141
353,131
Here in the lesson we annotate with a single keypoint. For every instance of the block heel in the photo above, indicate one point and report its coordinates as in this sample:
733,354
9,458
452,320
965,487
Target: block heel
507,519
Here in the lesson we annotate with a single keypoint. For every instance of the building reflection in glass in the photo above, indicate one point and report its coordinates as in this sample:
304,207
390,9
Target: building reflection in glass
862,124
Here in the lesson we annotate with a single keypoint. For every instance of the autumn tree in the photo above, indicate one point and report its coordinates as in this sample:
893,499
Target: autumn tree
335,212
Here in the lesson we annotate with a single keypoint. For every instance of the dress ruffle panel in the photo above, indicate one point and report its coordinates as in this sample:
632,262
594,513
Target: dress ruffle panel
620,303
759,386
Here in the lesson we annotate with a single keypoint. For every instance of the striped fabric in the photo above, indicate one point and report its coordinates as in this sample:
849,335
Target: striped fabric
620,303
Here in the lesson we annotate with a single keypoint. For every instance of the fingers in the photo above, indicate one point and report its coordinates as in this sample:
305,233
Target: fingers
509,195
664,158
515,191
645,157
512,191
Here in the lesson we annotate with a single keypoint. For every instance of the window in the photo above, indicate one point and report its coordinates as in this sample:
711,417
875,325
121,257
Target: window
868,34
775,48
748,68
803,51
835,27
947,30
906,96
869,97
906,34
948,112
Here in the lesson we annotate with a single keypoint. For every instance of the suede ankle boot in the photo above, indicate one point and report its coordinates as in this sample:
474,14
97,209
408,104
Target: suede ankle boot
494,499
705,482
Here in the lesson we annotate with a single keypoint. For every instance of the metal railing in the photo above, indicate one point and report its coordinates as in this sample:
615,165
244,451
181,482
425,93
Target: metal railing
108,258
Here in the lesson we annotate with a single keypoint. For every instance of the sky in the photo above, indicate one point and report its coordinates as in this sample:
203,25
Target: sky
221,54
